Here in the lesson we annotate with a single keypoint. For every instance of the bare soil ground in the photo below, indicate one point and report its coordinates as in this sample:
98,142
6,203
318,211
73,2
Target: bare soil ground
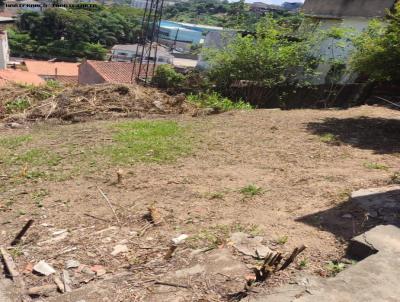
303,163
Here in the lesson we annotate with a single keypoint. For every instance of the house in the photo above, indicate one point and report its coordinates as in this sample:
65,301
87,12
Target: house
127,53
10,75
354,15
215,40
97,72
5,21
64,72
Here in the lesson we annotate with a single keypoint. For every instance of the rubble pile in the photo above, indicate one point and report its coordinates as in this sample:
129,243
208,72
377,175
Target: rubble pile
76,104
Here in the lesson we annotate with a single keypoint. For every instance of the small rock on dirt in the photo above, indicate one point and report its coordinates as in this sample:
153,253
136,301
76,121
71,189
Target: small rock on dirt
119,248
72,264
250,246
180,239
43,268
347,216
99,270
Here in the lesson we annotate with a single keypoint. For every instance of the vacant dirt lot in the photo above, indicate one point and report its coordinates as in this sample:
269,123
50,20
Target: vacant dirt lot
284,175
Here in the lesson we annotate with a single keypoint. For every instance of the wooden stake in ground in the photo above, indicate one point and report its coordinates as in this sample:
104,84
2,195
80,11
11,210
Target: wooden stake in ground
17,238
15,275
10,265
109,204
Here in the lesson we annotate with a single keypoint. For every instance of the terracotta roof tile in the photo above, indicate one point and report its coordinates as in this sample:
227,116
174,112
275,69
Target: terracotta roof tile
49,68
19,76
118,72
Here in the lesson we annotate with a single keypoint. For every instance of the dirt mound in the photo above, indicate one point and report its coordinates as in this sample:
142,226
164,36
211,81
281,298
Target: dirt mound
19,104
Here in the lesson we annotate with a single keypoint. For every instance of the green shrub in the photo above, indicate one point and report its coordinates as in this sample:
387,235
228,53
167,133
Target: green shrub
167,77
216,101
377,53
17,105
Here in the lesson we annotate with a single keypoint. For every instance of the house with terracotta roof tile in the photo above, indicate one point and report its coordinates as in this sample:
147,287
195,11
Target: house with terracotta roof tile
97,72
9,75
64,72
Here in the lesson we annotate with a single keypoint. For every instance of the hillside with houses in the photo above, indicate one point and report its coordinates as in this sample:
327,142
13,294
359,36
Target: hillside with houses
199,150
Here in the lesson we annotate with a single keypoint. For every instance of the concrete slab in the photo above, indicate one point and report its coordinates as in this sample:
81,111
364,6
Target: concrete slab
380,203
380,238
376,278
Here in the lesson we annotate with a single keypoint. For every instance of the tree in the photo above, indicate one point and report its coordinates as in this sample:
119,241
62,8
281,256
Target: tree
75,32
273,57
377,53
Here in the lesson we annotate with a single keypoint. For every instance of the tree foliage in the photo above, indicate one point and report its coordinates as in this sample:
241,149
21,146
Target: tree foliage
377,52
273,56
74,32
213,12
167,77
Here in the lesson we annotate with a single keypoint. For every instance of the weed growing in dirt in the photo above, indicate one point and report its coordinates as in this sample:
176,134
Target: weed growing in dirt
395,178
251,190
216,195
17,105
148,141
303,264
375,166
335,267
216,101
282,240
214,236
328,138
38,196
15,141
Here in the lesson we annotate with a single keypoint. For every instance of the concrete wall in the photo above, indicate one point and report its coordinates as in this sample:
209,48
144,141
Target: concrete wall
88,75
349,8
4,50
330,50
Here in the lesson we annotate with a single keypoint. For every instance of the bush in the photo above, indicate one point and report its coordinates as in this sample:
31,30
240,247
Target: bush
216,101
276,55
377,53
17,105
167,77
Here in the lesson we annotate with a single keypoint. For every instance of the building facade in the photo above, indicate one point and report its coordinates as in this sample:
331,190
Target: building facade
354,15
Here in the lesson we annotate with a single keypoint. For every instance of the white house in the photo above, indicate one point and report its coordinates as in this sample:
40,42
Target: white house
128,52
347,14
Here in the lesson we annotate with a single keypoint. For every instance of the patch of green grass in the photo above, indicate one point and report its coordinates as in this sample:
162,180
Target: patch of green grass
14,141
37,157
216,235
375,166
148,141
303,264
216,101
328,138
335,267
282,240
17,105
251,190
38,197
216,195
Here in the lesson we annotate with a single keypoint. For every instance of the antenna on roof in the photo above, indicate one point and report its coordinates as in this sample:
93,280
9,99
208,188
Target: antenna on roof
146,48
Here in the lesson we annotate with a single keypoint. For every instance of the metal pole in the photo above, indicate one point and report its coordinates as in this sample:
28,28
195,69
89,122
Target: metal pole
158,34
152,37
138,42
144,45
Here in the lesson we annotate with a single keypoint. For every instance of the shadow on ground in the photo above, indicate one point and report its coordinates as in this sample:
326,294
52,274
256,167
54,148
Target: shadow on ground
363,211
379,134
